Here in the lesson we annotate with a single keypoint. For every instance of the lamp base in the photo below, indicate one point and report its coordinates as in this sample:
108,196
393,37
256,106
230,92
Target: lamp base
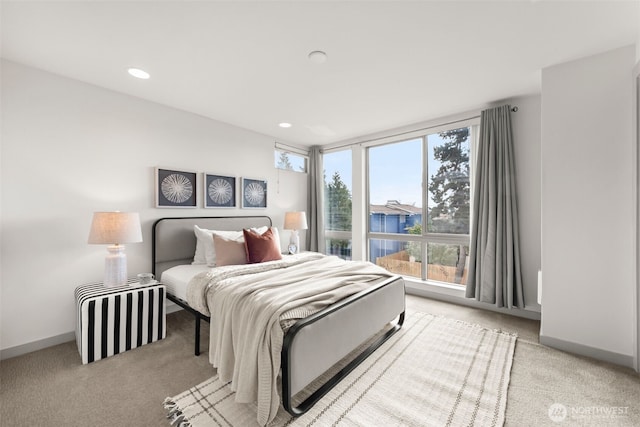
115,267
294,242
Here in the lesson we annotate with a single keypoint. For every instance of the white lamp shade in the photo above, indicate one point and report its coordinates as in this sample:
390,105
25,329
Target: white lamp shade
115,228
295,221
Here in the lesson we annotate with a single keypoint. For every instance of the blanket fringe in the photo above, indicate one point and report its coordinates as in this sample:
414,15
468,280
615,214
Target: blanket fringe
174,415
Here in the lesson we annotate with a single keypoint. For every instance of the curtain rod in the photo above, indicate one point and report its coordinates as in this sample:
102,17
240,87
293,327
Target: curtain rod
513,109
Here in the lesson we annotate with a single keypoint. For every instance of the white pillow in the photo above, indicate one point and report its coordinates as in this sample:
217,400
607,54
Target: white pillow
206,251
198,257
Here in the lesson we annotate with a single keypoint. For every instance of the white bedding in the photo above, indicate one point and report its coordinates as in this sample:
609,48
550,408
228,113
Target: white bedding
247,305
177,278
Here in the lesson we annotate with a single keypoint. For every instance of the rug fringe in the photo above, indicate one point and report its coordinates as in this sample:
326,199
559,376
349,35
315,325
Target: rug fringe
175,416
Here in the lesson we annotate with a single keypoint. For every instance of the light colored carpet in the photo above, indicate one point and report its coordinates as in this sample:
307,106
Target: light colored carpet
435,371
128,389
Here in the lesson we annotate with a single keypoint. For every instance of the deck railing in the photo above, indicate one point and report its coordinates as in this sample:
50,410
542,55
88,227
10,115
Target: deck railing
400,263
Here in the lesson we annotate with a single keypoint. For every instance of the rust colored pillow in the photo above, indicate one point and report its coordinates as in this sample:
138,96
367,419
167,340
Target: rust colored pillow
261,248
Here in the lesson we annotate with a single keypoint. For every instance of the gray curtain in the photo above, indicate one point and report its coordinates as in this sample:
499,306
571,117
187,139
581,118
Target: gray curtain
315,233
494,269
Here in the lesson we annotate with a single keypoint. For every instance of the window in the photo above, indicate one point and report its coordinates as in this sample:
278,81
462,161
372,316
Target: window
337,203
290,161
448,184
399,237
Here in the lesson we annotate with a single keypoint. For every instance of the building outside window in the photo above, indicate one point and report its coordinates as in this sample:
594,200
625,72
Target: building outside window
392,217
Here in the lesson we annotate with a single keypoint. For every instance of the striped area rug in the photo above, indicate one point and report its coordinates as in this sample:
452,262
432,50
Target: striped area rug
434,372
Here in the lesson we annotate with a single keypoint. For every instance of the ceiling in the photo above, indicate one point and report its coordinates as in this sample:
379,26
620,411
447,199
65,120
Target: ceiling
389,64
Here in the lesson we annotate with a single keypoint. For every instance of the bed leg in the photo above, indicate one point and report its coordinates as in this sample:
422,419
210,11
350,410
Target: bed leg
197,351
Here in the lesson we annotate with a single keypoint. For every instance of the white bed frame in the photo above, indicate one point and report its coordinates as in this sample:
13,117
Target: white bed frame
312,345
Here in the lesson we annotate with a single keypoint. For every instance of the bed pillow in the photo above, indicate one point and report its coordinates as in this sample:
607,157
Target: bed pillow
258,230
203,237
275,232
229,251
205,250
261,247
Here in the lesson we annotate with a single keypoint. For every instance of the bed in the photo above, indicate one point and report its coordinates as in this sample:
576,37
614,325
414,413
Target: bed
312,345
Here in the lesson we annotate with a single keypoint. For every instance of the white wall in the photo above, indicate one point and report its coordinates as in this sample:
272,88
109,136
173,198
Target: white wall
636,122
588,206
638,39
69,149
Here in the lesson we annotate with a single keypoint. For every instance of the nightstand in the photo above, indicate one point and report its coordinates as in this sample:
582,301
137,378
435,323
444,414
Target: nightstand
113,320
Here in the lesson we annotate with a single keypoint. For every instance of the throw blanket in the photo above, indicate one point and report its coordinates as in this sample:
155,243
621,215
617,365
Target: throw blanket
202,283
246,308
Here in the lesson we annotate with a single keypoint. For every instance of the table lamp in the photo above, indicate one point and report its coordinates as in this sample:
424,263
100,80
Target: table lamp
114,229
295,221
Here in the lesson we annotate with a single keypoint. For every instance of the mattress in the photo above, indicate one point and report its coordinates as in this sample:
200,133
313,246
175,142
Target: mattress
176,278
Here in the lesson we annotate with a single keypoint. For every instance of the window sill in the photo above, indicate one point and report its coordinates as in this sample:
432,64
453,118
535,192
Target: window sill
412,283
455,294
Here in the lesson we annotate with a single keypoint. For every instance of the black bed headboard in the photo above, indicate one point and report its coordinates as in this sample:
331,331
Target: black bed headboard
174,242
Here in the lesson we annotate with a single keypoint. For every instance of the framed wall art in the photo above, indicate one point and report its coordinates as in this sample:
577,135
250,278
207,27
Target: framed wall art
254,193
219,191
176,189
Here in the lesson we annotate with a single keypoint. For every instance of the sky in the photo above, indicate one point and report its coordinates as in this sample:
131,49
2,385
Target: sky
395,170
395,173
338,161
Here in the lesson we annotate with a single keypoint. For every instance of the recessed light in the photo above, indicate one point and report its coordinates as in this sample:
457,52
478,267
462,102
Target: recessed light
137,72
318,56
285,125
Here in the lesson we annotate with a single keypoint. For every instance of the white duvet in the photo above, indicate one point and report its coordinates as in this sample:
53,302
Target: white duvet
247,303
176,278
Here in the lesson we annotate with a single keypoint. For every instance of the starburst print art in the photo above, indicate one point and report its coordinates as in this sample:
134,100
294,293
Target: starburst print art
254,193
176,188
220,191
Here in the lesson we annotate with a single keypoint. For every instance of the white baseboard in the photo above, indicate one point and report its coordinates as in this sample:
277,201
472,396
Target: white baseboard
19,350
456,296
584,350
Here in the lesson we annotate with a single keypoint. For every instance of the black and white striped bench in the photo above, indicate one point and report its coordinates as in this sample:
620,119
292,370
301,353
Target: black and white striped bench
114,320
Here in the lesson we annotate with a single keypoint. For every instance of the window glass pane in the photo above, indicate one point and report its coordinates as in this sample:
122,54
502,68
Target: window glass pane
397,256
339,247
396,190
337,190
448,185
447,263
395,186
290,161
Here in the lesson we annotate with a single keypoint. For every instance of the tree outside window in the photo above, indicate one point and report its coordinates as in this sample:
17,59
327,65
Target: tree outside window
337,203
289,161
338,214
